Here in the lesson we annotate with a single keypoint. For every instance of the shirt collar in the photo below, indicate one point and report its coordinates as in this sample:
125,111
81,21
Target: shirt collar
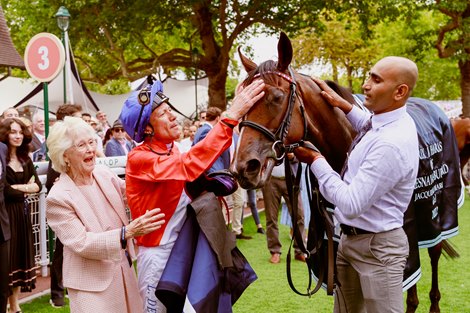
379,120
40,137
207,123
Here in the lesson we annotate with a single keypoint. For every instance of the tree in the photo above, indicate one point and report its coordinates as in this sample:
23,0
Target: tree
339,43
414,37
453,42
130,39
353,51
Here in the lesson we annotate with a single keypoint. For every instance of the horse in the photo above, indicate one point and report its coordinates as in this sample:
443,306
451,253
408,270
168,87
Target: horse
462,133
292,112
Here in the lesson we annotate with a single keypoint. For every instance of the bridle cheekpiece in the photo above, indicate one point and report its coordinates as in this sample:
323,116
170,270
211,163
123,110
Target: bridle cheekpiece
279,148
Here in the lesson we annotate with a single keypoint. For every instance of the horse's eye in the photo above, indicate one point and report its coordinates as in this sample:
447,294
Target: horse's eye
276,97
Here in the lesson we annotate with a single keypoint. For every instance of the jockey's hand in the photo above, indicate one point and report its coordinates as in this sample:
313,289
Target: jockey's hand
307,155
332,97
243,101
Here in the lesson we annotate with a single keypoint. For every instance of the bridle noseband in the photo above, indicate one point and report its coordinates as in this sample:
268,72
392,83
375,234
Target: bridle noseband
312,251
279,147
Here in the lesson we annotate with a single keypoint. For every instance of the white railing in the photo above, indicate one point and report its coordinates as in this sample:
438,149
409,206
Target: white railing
37,203
40,229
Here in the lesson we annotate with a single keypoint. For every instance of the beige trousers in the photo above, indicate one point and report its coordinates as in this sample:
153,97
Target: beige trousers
237,210
370,272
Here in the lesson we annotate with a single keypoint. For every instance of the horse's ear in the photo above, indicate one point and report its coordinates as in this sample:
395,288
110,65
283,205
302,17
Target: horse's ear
247,63
284,51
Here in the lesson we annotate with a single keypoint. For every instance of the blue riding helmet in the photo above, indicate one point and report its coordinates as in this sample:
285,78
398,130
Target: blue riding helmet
135,114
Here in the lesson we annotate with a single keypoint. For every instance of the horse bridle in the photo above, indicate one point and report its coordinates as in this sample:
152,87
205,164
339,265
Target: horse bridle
279,148
293,183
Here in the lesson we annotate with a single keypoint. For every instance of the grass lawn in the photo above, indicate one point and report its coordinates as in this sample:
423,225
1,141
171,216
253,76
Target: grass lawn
271,292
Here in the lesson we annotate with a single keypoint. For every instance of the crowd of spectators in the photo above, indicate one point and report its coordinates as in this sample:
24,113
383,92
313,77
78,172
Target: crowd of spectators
24,136
120,143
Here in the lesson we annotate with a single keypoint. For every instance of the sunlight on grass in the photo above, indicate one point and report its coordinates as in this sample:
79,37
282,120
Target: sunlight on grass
271,292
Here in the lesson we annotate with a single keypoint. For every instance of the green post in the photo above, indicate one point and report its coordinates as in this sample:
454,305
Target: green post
63,70
46,107
46,122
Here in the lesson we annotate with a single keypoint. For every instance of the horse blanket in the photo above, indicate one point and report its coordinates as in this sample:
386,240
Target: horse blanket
205,271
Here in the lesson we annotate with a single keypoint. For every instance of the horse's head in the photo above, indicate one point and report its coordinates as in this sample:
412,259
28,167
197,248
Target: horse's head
261,144
279,120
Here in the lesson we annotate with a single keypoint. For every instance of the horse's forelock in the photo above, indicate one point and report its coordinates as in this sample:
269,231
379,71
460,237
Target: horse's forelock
265,71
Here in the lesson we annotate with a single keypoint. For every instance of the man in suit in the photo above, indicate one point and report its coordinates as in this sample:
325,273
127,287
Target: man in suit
212,118
10,112
39,130
4,235
185,144
118,145
103,120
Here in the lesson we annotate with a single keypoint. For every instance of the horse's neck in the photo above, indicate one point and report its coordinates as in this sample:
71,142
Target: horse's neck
462,132
327,128
333,137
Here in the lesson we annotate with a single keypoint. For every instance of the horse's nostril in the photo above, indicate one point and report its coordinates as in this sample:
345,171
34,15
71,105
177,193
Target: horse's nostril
253,166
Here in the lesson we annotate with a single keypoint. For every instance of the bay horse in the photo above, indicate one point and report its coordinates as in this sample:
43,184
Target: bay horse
462,133
293,111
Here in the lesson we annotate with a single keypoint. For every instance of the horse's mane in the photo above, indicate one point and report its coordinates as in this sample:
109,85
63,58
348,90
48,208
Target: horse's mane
344,92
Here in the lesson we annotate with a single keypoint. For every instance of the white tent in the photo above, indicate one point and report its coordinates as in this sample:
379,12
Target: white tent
13,89
180,92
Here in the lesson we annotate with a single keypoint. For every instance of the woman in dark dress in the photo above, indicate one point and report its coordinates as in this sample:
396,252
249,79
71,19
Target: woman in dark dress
21,179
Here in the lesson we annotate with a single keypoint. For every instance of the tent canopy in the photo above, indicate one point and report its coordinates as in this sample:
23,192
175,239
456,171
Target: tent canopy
13,90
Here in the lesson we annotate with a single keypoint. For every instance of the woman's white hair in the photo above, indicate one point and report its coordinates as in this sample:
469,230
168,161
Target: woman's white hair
61,138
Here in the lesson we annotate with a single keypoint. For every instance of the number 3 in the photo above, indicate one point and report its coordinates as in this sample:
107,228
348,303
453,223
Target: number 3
43,51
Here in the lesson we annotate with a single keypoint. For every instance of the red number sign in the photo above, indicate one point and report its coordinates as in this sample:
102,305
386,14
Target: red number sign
44,57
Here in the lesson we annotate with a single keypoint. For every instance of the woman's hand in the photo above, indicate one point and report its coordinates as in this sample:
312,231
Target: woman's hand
144,224
26,188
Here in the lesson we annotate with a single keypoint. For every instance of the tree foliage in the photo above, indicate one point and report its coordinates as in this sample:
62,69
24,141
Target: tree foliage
130,39
453,42
414,37
340,43
116,41
345,44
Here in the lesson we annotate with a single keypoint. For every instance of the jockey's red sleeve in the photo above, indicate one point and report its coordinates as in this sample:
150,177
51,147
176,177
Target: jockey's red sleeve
229,122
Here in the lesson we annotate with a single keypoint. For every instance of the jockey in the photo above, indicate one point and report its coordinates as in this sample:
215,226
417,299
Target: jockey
156,172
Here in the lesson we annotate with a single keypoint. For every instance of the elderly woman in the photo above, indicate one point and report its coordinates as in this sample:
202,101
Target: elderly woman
86,210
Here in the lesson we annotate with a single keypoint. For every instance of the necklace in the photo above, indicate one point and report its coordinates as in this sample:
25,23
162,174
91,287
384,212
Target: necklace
15,164
159,153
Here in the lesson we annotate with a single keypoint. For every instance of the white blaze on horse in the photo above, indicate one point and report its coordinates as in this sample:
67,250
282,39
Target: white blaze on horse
293,111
